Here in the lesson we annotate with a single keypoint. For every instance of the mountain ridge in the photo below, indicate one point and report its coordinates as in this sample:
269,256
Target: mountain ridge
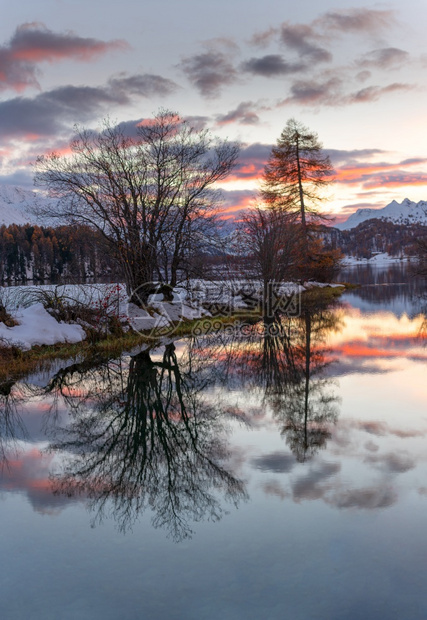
406,212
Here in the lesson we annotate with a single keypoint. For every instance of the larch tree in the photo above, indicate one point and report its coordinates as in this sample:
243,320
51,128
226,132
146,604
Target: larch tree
296,174
151,195
295,177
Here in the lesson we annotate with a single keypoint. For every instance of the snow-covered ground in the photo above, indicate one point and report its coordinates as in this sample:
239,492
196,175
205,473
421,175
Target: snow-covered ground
37,327
200,299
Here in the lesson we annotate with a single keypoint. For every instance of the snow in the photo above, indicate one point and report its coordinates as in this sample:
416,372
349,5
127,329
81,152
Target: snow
406,212
38,327
14,205
381,259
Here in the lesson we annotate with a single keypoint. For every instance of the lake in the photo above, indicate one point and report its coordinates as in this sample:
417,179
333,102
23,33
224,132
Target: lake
274,471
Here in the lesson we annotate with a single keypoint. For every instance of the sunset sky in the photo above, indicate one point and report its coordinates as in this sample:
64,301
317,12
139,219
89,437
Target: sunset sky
353,72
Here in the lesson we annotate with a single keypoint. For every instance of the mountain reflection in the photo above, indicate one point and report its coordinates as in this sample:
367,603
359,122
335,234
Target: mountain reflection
143,436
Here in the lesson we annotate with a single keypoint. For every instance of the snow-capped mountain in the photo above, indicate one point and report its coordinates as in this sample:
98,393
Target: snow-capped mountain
15,204
406,212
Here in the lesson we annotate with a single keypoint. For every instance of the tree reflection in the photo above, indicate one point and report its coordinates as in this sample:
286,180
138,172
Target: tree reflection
11,424
143,436
287,358
305,404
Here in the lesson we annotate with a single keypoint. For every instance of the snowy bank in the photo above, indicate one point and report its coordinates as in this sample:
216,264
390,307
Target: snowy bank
37,327
158,317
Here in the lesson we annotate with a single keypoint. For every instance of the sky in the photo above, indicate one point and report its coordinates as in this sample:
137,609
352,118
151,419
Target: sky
355,73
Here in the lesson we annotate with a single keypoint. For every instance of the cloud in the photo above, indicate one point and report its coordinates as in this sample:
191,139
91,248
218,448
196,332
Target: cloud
341,155
384,58
251,162
309,486
312,93
49,113
145,85
368,498
33,43
373,93
277,462
396,179
300,38
209,71
362,20
274,488
244,114
331,93
198,122
362,76
263,38
368,174
236,201
29,474
272,65
392,463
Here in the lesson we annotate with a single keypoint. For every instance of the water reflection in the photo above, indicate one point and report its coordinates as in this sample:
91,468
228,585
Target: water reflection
11,423
142,435
286,358
150,432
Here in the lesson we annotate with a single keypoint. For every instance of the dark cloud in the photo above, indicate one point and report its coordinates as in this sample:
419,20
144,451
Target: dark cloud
277,462
251,162
272,65
245,114
392,463
33,43
312,93
368,498
198,122
385,58
300,38
309,486
209,71
362,20
145,85
373,93
236,201
331,93
48,113
381,429
274,488
371,446
339,156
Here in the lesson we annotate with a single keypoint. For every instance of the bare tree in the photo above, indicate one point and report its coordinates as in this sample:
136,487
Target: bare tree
149,195
268,239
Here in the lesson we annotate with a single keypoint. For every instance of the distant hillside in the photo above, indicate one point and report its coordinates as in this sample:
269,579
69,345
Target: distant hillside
407,212
15,205
375,236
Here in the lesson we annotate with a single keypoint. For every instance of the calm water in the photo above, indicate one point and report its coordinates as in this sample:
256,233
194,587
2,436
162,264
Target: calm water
279,472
